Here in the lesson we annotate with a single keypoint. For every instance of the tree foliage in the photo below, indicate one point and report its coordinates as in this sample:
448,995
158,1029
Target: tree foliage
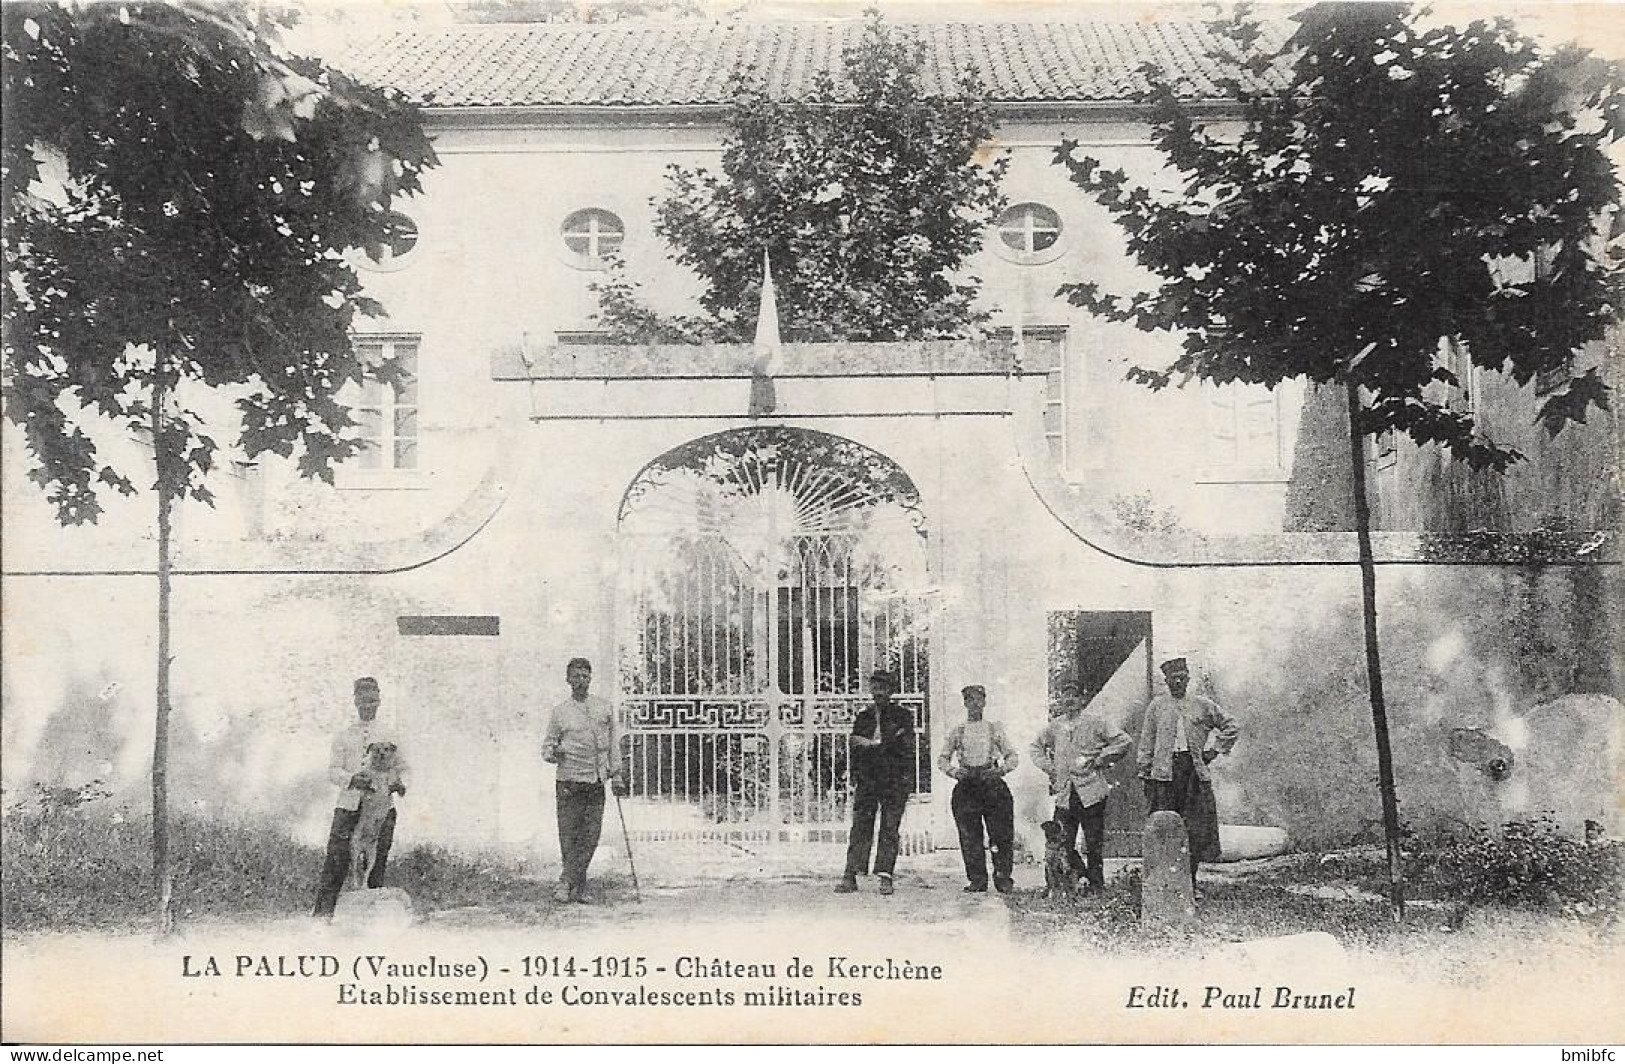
182,198
868,197
1397,189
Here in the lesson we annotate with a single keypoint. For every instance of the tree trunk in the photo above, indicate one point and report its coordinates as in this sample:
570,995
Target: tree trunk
1373,659
162,878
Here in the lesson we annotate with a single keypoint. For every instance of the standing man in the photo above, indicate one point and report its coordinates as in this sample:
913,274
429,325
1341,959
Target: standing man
882,767
347,768
583,739
978,756
1074,750
1174,755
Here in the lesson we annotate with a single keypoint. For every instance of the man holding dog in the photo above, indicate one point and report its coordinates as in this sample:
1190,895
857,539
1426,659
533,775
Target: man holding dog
1074,750
347,768
583,739
978,756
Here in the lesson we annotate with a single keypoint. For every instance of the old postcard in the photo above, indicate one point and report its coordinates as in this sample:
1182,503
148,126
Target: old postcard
669,522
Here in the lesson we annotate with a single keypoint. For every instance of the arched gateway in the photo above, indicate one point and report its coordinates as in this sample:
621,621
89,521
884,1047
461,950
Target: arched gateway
764,573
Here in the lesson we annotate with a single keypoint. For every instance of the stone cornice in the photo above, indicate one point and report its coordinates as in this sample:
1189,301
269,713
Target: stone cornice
931,358
294,556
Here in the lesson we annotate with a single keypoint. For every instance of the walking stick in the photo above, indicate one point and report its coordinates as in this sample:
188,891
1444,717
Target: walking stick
626,837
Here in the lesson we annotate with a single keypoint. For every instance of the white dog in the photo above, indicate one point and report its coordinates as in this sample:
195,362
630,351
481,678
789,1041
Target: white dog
383,776
386,908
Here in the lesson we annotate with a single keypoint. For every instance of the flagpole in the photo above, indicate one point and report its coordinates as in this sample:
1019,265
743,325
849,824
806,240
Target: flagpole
765,351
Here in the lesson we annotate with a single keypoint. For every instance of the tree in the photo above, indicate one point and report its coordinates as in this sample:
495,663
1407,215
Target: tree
180,195
1378,211
867,197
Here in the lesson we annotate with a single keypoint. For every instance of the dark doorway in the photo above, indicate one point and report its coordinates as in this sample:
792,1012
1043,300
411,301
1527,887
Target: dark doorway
1108,654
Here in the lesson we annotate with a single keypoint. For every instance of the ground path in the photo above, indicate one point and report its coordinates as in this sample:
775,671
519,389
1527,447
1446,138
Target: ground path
997,982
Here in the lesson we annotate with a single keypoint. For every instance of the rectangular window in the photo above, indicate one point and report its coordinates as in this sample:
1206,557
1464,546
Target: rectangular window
1552,378
1044,347
1385,449
1464,397
387,411
1245,433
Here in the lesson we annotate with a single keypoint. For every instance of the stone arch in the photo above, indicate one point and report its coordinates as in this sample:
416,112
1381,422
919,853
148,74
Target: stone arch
763,573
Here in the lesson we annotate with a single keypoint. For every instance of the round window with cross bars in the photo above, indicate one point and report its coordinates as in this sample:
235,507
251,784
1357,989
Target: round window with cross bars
1029,233
592,236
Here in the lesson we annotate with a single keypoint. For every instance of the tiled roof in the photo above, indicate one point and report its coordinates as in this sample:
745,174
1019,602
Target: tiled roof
680,63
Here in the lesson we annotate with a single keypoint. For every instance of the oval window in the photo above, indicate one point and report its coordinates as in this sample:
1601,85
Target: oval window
1029,232
593,234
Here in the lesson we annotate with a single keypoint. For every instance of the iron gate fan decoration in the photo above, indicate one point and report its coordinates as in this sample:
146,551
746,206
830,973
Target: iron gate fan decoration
761,489
763,572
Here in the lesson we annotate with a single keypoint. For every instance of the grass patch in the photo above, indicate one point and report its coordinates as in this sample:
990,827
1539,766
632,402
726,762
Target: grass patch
1233,911
1280,900
83,867
87,868
438,879
1527,864
1530,865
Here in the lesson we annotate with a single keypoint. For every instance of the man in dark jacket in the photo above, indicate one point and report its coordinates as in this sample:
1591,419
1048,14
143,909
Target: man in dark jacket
882,764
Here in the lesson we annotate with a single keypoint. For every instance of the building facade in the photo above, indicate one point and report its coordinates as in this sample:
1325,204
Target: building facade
972,511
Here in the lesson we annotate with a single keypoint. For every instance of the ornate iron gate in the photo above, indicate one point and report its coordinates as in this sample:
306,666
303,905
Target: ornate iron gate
765,573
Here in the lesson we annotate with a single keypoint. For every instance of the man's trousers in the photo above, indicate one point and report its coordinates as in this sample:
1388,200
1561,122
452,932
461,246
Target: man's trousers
1191,796
1072,816
336,865
979,801
581,821
866,807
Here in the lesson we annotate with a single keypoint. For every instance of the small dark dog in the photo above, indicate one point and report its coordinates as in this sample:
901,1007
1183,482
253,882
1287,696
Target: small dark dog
1059,879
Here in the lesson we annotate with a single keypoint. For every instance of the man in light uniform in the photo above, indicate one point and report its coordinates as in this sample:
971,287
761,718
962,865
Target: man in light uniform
583,739
1075,749
978,756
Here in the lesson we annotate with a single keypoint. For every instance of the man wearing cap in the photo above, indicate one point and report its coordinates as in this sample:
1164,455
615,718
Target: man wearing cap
978,756
882,764
583,739
1074,749
1174,753
347,768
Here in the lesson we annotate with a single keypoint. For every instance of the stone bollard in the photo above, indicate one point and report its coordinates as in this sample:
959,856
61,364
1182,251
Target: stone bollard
1166,896
382,909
